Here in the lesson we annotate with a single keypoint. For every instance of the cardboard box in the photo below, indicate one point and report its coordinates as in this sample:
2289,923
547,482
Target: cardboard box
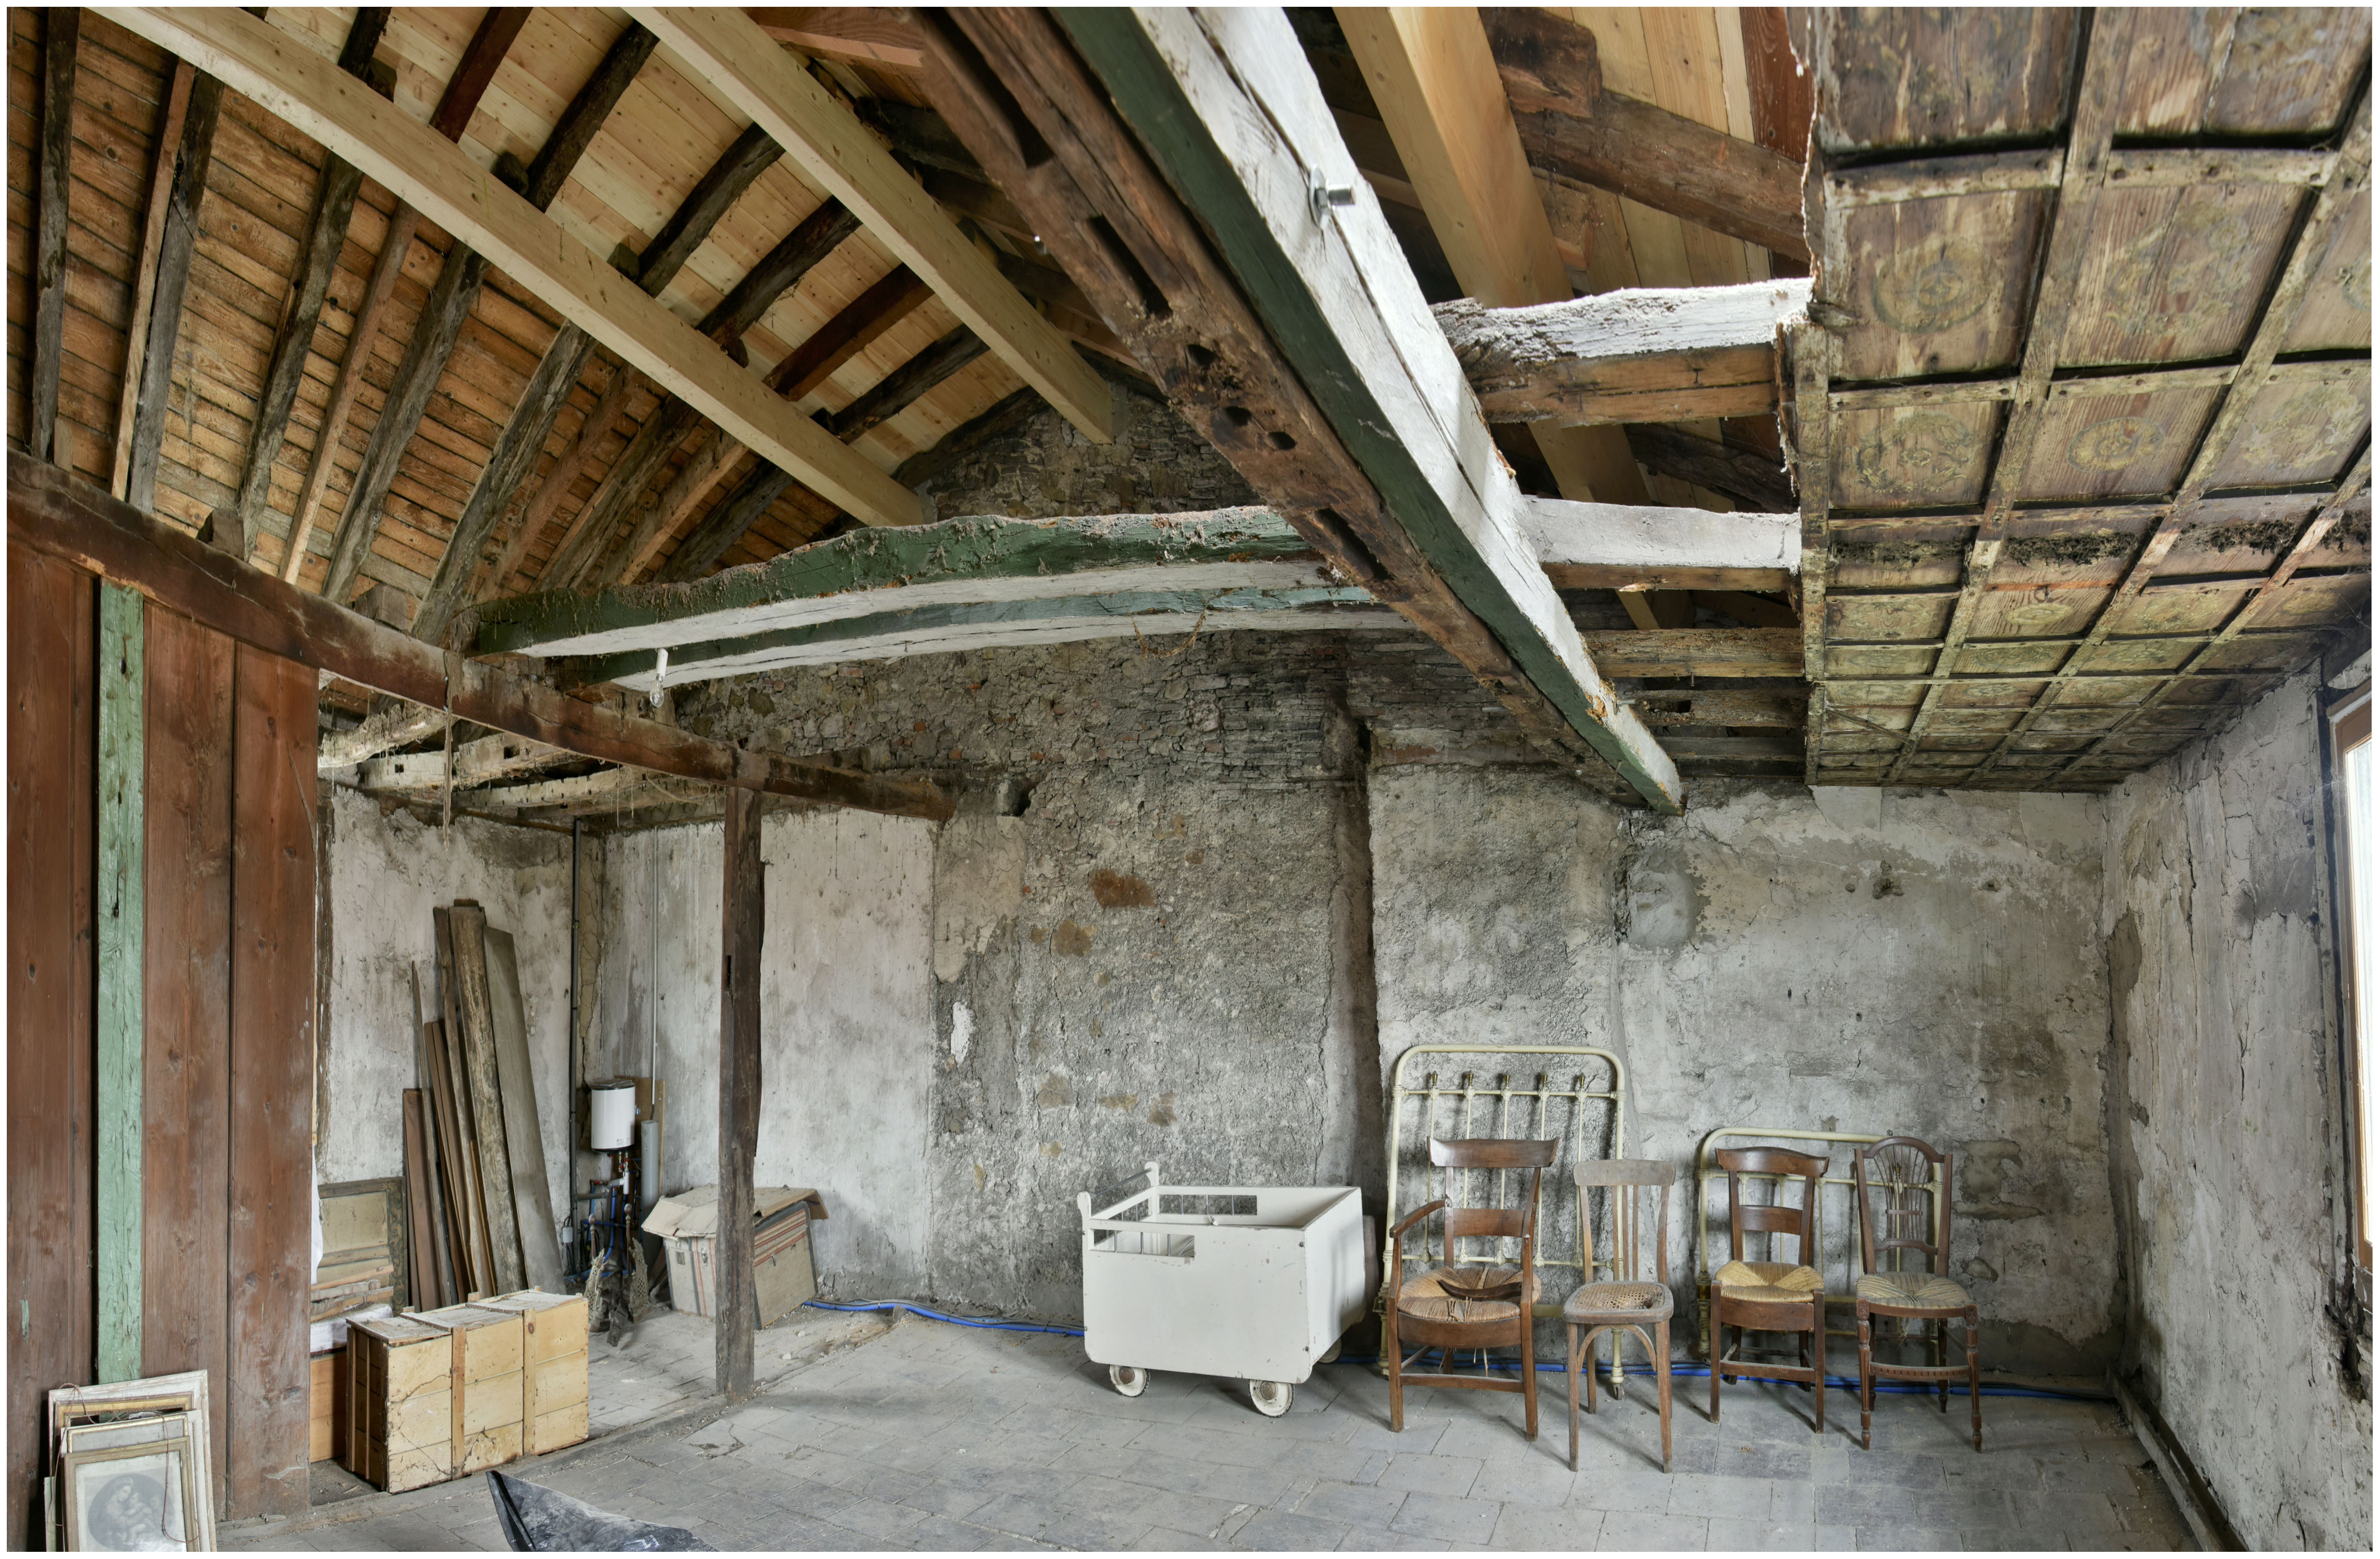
783,1273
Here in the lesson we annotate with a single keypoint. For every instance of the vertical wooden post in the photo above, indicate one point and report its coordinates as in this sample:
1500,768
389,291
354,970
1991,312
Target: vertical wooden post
123,681
739,1087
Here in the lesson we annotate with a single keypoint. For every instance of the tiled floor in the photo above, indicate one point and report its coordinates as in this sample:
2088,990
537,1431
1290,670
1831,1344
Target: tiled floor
937,1437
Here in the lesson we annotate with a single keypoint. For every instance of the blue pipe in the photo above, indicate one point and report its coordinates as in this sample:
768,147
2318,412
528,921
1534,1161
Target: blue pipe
1696,1371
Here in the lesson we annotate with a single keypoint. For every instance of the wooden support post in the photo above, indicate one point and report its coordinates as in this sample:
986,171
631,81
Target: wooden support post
59,48
123,679
175,247
742,901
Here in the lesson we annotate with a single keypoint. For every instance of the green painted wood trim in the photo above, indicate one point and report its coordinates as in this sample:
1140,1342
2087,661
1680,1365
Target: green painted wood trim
1152,103
977,547
121,756
1249,607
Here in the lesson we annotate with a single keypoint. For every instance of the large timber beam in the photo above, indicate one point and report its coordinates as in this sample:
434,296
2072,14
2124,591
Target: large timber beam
1617,546
53,513
1226,104
287,79
1570,125
726,49
176,243
61,46
1643,355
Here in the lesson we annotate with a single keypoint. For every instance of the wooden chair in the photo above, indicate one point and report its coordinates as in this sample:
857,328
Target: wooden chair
1459,1306
1893,1180
1638,1295
1771,1295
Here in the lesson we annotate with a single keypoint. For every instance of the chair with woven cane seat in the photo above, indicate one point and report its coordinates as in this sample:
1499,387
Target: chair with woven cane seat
1900,1204
1638,1294
1771,1295
1457,1305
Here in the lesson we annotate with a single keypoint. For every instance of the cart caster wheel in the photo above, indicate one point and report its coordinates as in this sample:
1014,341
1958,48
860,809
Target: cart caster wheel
1271,1397
1331,1356
1127,1380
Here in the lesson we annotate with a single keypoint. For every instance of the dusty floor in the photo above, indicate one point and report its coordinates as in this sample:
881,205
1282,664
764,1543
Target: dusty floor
935,1437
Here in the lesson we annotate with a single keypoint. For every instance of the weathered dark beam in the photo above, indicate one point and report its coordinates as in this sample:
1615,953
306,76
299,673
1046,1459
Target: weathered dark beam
440,325
1756,481
144,287
890,396
724,525
175,247
812,239
318,258
514,460
61,44
743,900
1641,355
886,303
1687,652
966,438
53,513
1570,125
482,57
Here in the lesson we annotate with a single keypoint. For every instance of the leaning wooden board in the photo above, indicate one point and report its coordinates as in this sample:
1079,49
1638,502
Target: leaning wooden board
440,1393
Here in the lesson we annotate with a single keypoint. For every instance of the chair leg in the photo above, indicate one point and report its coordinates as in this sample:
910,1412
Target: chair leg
1661,1373
1818,1356
1570,1375
1868,1377
1941,1358
1396,1370
1974,1378
1717,1352
1592,1390
1529,1365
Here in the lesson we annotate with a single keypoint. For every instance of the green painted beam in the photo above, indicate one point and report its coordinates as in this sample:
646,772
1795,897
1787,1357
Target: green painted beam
978,557
121,756
1226,104
981,624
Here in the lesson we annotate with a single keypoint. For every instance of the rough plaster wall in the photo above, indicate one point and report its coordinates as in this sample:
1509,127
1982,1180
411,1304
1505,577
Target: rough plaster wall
1043,468
2224,1117
387,874
1916,962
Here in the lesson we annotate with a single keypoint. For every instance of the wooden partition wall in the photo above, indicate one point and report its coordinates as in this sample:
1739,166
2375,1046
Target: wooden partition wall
160,1001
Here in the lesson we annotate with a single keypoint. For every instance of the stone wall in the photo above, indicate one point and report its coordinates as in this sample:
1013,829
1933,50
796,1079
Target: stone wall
1043,466
2226,1124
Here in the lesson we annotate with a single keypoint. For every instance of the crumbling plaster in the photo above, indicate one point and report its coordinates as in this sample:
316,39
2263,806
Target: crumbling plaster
2224,1119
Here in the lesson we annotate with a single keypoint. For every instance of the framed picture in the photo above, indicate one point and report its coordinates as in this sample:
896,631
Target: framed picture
136,1413
139,1498
150,1431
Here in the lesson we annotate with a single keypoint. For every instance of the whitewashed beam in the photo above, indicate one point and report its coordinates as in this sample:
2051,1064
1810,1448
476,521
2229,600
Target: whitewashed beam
1617,546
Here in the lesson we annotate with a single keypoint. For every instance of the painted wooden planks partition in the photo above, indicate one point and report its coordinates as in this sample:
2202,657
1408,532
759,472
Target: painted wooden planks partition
186,1072
272,1080
51,1314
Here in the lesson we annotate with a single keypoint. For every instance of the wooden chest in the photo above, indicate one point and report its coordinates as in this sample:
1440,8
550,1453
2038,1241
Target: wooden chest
434,1394
554,1367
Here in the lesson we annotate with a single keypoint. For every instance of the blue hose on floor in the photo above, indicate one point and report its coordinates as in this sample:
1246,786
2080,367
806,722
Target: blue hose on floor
1696,1371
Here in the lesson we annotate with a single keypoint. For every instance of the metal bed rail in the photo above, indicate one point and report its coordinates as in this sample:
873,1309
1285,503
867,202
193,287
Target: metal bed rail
1710,1231
1456,1090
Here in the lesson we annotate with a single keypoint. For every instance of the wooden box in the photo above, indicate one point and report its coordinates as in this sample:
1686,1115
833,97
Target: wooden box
326,1389
433,1395
553,1367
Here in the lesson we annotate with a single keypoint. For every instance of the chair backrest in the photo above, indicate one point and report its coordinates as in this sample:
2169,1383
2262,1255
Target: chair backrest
1776,1217
1893,1181
1635,1187
1518,1221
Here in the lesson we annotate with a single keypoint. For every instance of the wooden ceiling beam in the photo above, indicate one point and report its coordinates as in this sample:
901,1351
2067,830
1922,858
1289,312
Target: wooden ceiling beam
55,514
176,243
1693,651
877,35
1434,83
61,46
1641,355
728,50
1754,480
144,285
1570,125
288,80
399,725
483,761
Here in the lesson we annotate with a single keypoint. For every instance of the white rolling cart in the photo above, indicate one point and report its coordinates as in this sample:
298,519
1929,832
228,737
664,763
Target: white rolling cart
1256,1282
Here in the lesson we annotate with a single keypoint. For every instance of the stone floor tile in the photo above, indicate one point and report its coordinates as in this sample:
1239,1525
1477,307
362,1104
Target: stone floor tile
945,1501
1017,1514
1364,1538
1447,1516
1283,1529
1164,1539
1628,1531
1906,1470
2072,1511
1645,1492
1791,1500
875,1518
1431,1474
1160,1507
1540,1476
1537,1527
2003,1540
1419,1437
1358,1505
1729,1534
1696,1493
936,1534
1761,1458
1904,1539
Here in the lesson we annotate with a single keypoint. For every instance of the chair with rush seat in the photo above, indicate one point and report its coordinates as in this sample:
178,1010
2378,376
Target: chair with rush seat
1457,1305
1903,1187
1771,1295
1638,1295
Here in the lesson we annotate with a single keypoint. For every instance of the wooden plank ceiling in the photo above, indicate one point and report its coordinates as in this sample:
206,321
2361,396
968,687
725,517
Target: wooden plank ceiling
2077,422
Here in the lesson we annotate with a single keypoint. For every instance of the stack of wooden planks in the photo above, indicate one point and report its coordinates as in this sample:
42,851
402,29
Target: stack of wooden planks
365,1249
477,1198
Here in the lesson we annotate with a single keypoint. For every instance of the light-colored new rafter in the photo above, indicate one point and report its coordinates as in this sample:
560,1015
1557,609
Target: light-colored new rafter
728,50
283,76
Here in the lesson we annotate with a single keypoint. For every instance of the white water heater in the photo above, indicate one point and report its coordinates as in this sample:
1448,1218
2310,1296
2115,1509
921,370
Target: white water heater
611,1116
